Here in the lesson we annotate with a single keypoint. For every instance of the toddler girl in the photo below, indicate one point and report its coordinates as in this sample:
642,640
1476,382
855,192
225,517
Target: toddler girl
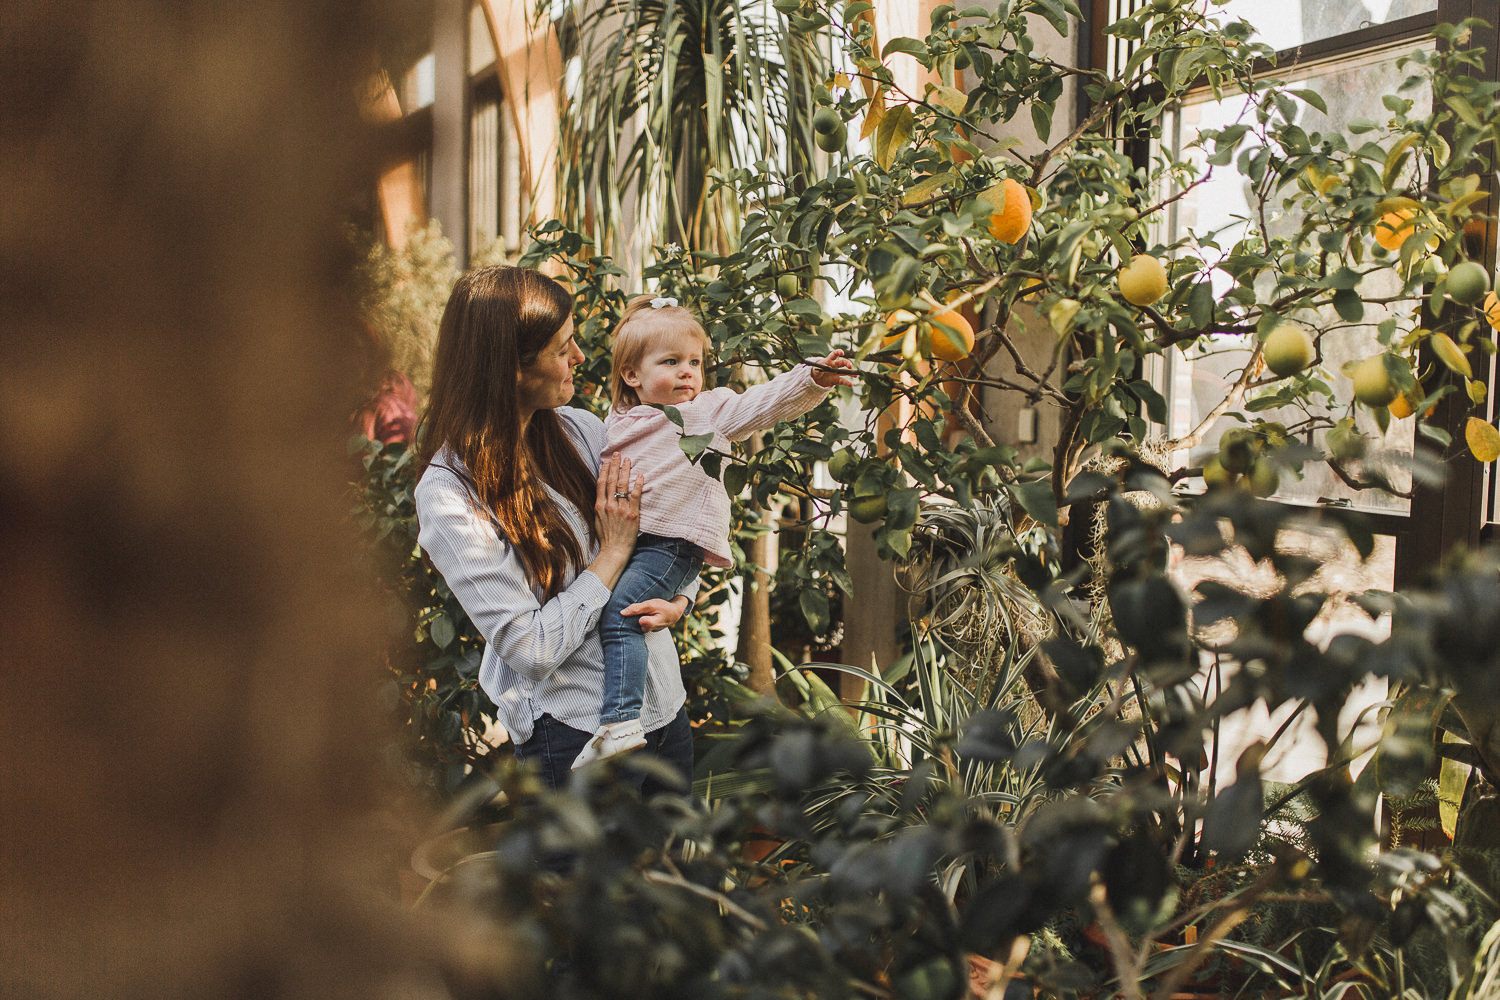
659,354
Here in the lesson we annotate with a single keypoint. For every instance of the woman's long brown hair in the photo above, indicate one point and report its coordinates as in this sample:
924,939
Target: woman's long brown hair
495,323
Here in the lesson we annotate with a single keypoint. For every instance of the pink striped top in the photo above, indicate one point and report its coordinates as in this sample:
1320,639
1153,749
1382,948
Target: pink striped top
680,499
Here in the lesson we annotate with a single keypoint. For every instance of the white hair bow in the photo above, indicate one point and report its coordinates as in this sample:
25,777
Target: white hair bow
662,301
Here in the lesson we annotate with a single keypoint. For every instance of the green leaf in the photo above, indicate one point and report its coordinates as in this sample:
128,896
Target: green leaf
1041,119
1201,305
1036,499
814,604
1313,98
735,478
1464,110
1348,304
442,631
901,506
910,46
692,445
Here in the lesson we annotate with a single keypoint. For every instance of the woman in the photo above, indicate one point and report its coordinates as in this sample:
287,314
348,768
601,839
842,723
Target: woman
527,529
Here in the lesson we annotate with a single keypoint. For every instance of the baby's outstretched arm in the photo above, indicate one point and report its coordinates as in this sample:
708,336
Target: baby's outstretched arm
828,379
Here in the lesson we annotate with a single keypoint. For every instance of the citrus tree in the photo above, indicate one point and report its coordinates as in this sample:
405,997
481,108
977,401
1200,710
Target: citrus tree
954,259
961,264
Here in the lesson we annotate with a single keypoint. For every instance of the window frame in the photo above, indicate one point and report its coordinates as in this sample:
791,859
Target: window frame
1455,513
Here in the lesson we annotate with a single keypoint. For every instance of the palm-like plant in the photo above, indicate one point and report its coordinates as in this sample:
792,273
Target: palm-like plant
668,93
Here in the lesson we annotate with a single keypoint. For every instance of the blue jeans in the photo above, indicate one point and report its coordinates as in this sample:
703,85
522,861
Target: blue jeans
554,746
657,570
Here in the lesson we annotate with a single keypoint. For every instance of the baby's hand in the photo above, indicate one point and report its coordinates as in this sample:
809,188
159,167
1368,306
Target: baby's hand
828,379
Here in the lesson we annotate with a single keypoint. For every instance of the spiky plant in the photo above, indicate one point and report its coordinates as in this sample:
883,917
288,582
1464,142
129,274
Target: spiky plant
668,93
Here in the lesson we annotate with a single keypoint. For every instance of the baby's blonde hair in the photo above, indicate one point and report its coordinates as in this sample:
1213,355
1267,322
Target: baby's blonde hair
641,329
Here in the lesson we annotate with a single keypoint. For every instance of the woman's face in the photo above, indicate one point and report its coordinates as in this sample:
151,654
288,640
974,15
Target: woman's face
547,382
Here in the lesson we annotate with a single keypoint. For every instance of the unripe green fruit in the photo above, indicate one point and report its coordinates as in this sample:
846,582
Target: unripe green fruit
1467,282
826,121
1288,350
1214,474
868,510
841,462
787,286
1236,450
832,142
1372,383
1263,479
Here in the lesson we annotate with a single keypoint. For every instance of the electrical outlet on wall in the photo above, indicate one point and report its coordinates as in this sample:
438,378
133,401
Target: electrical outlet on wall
1026,426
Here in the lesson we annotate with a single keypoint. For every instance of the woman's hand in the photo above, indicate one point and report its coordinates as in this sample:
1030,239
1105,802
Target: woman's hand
656,614
617,517
828,379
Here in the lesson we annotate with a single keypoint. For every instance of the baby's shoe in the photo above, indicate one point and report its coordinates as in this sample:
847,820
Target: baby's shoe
612,738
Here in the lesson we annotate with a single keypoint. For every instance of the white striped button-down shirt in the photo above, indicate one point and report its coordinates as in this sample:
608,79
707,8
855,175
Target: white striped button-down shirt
538,657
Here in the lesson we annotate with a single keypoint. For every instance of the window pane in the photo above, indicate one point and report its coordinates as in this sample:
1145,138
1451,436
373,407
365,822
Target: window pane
1285,24
1216,212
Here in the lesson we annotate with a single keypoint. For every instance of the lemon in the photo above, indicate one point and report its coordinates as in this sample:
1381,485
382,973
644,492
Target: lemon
1402,406
1288,350
1372,382
826,121
1143,280
1483,439
1468,282
1214,473
787,286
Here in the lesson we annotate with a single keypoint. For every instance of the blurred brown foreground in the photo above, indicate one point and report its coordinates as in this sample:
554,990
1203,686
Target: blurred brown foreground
192,801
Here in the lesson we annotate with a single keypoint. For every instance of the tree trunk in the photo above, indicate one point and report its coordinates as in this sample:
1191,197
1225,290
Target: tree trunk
755,618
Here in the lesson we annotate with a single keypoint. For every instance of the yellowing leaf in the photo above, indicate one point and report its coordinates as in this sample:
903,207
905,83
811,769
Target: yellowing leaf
1483,439
1399,203
927,187
841,80
1453,778
1061,315
1450,354
952,98
1477,391
873,114
895,130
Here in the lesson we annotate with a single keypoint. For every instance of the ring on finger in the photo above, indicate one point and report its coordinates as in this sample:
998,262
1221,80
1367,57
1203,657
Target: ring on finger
622,496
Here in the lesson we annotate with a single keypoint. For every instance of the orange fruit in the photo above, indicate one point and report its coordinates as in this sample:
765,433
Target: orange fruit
1394,227
951,335
1012,215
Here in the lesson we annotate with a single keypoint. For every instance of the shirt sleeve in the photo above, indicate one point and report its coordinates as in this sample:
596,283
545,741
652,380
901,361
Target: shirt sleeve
737,415
487,576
